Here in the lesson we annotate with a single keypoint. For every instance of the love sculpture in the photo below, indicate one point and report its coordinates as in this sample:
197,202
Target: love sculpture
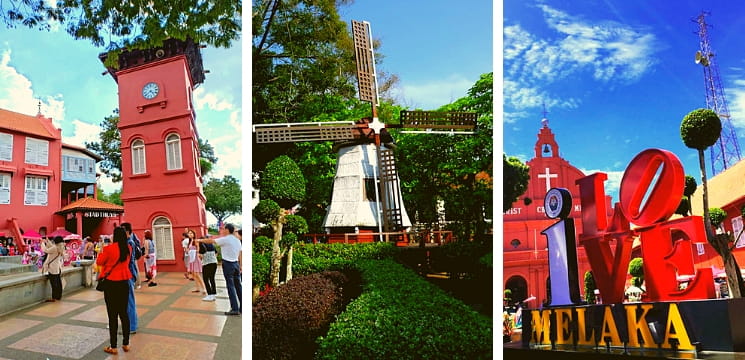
665,244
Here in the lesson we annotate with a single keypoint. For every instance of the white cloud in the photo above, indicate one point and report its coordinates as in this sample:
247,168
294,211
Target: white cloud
83,132
213,101
432,95
607,51
16,93
736,103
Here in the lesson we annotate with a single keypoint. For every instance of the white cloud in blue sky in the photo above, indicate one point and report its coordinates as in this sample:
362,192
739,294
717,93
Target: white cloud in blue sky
606,51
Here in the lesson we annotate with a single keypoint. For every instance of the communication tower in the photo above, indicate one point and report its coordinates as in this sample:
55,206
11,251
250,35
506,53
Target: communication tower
726,152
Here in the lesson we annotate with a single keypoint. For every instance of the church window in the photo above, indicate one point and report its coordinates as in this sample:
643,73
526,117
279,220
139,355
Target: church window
163,238
515,243
4,188
6,147
173,152
37,152
138,157
36,190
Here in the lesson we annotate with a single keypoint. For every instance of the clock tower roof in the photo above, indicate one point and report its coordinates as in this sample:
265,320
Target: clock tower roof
128,59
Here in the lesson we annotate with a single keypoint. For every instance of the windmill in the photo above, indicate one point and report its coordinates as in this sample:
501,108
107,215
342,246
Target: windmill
365,146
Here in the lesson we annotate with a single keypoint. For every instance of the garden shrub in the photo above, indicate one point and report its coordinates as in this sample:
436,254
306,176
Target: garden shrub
401,316
289,318
460,257
262,244
313,258
260,269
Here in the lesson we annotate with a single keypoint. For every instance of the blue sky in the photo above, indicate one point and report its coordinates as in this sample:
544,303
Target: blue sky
617,77
65,74
438,49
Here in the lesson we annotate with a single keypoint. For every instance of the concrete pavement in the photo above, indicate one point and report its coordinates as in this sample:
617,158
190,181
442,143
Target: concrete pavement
174,324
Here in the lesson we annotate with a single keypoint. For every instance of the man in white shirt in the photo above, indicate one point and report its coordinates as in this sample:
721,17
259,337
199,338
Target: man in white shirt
230,249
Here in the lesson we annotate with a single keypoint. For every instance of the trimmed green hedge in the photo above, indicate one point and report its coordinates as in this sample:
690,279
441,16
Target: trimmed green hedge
401,316
313,258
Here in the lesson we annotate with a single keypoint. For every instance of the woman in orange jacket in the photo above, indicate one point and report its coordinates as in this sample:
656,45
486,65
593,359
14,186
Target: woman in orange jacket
114,261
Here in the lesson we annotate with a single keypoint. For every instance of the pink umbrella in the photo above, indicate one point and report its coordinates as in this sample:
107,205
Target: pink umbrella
59,232
31,234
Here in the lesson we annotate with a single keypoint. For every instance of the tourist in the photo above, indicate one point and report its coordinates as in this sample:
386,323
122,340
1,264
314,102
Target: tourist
150,264
185,247
230,249
3,248
209,268
131,305
114,261
88,250
195,264
52,266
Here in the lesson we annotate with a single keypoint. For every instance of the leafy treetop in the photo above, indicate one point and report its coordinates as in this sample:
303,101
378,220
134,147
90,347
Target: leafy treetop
131,24
700,129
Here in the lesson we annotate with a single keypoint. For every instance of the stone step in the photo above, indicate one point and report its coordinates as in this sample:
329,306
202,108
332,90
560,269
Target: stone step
7,269
15,259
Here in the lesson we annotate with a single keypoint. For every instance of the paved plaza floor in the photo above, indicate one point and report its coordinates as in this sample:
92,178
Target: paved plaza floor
174,324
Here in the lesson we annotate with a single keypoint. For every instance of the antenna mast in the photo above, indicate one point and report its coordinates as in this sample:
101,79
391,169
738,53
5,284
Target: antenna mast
726,152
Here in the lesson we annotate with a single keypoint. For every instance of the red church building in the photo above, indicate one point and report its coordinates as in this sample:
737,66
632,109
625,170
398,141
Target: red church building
526,267
161,175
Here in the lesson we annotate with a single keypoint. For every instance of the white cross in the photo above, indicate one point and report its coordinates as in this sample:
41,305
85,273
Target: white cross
548,176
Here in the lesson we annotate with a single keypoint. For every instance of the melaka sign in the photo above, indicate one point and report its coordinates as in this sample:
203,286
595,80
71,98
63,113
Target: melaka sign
650,192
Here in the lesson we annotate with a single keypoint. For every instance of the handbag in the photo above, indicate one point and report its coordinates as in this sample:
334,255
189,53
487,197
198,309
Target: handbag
103,282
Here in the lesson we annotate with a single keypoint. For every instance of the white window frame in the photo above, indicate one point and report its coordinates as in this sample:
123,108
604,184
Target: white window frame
700,248
6,147
736,228
36,191
173,152
163,238
37,151
4,188
139,160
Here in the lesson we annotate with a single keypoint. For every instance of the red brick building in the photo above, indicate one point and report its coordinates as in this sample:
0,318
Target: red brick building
525,267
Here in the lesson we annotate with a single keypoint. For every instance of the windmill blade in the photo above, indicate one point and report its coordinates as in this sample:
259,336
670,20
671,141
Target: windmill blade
452,120
391,201
297,132
365,59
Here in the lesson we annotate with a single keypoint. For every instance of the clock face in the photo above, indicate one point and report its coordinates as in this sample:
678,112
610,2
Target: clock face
150,90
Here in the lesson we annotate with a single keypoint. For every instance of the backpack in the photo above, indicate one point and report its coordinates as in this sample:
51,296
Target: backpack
138,248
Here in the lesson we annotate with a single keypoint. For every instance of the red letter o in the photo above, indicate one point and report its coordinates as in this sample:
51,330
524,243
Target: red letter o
664,198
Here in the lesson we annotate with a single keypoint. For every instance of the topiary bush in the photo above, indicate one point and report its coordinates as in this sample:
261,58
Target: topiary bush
312,258
262,245
260,269
289,318
401,316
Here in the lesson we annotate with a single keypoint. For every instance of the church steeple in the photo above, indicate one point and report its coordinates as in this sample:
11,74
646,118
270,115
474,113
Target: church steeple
546,146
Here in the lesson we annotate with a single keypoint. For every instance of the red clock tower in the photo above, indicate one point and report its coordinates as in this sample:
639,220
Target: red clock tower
161,179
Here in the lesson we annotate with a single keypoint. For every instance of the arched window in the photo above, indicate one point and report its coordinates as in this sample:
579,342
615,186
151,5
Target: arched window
163,238
138,157
173,152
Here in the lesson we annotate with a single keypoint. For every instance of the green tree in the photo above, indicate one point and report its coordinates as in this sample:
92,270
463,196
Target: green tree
117,25
590,287
223,197
109,149
516,176
456,170
114,198
636,270
282,187
699,130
